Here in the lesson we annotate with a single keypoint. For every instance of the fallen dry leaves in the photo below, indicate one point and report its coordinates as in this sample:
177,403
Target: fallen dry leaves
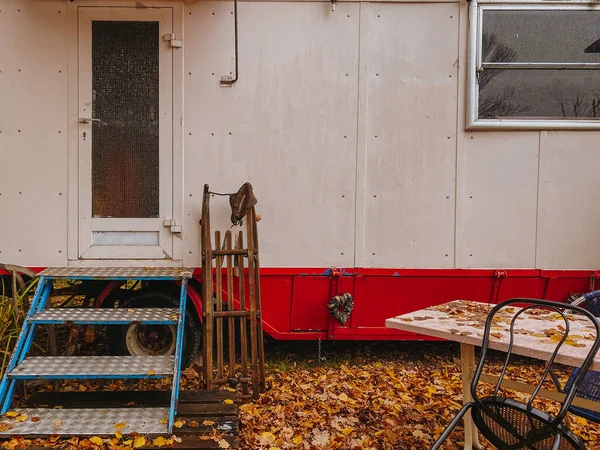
398,400
386,396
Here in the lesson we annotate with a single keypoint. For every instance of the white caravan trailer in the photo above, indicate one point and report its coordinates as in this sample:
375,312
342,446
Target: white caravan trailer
404,152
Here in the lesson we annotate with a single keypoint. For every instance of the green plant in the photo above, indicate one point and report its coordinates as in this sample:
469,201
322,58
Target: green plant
12,314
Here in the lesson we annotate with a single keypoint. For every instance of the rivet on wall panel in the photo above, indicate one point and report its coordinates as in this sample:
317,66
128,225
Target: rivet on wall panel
60,193
342,253
60,71
373,254
189,73
213,73
213,14
19,70
59,11
190,13
19,192
60,251
19,131
378,15
190,195
345,137
189,134
212,134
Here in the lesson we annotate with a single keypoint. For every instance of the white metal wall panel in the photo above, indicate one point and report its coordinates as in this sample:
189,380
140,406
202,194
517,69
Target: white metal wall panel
568,225
410,56
497,200
33,132
288,125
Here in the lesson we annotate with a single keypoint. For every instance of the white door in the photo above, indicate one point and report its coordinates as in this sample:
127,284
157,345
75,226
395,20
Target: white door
125,102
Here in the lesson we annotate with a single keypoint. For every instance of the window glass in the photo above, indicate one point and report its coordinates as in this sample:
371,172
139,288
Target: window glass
541,36
526,38
545,94
125,152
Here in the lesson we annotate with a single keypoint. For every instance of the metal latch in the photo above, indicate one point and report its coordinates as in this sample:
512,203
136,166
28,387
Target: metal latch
172,38
170,223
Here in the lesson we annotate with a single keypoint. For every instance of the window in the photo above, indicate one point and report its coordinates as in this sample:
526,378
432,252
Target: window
534,66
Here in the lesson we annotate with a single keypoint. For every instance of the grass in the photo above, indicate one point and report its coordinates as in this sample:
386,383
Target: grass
12,314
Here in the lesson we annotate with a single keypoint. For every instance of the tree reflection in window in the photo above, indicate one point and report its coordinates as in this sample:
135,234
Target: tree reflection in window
504,102
539,63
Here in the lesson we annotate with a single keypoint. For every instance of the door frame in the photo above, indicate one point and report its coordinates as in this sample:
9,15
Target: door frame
73,208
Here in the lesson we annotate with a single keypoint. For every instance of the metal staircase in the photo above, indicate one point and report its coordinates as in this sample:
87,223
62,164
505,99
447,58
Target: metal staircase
94,421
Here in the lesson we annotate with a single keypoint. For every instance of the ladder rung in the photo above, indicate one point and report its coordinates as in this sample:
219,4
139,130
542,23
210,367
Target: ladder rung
80,367
107,316
87,421
231,313
232,252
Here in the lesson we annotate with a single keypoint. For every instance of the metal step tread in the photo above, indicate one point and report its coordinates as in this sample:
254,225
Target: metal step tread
85,422
108,316
79,367
117,273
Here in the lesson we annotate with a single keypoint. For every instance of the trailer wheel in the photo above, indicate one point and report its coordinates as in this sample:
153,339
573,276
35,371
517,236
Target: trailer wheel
155,340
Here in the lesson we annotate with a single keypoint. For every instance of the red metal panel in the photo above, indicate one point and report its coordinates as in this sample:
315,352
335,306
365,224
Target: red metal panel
379,298
309,303
276,294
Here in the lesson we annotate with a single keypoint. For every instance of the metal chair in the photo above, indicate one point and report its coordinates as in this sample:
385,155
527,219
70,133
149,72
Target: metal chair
590,386
510,424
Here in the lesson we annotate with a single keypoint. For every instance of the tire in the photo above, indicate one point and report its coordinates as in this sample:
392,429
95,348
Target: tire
154,340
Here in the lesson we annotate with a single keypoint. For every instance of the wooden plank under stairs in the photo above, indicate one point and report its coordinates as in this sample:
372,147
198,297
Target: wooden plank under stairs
195,407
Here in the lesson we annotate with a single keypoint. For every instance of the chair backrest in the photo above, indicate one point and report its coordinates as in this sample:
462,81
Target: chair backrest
525,305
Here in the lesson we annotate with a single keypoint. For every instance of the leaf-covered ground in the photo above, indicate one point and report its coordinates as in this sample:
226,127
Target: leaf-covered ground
394,395
368,396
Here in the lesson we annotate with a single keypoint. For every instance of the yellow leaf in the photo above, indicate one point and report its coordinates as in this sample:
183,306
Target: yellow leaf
230,389
164,421
152,372
343,397
128,442
11,414
140,441
118,434
159,441
208,423
179,424
120,425
96,440
21,418
57,423
346,431
228,401
298,439
419,434
223,444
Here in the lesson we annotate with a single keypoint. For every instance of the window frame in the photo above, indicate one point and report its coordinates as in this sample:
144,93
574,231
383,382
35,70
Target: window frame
475,37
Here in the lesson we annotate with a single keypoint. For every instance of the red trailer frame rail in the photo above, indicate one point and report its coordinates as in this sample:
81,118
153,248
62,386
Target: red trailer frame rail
294,300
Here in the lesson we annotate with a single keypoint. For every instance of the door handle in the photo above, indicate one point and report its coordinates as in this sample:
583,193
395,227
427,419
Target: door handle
87,120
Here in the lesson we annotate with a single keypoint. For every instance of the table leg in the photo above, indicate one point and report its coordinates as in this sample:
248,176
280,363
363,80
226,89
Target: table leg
467,359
